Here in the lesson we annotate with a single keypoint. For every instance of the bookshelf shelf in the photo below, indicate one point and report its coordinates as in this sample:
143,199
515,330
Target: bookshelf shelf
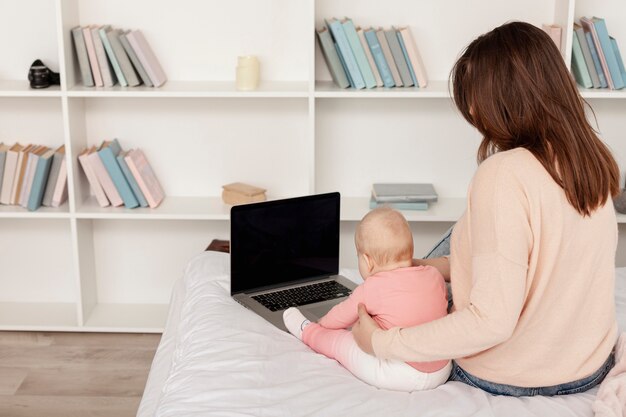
85,268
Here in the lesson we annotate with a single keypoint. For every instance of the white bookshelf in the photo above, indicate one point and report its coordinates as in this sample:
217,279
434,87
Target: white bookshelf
85,268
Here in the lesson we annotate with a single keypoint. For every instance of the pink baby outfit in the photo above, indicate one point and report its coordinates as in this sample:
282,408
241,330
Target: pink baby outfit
403,297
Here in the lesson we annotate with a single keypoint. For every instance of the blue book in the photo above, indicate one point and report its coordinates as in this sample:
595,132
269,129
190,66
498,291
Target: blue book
379,58
345,51
131,179
343,64
39,180
618,57
596,60
111,54
400,206
609,55
359,53
108,154
406,57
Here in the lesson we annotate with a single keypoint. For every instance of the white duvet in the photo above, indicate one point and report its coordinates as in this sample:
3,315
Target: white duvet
218,359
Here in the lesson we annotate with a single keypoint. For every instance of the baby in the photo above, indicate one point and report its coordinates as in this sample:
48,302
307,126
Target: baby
395,293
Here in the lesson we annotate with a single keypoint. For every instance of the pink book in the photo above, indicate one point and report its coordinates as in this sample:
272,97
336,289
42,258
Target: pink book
10,167
97,189
93,59
555,33
103,176
146,57
144,175
18,181
29,174
589,27
60,190
414,56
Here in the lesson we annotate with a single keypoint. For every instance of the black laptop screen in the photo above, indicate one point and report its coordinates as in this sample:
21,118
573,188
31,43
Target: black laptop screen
280,241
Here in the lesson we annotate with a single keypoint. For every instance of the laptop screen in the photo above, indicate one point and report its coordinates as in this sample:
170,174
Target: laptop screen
277,242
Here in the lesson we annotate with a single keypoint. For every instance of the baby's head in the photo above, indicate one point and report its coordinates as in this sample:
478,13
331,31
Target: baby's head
383,241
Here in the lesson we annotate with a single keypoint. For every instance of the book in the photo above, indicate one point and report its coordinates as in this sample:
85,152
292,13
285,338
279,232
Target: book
406,57
3,156
29,174
384,46
331,57
584,46
20,170
607,49
81,54
108,154
579,67
95,185
345,68
60,190
147,57
135,60
423,205
106,70
349,60
359,53
122,58
403,192
370,58
414,58
131,180
55,169
93,158
618,58
596,60
379,58
398,57
103,31
240,193
145,177
555,33
44,161
93,59
10,167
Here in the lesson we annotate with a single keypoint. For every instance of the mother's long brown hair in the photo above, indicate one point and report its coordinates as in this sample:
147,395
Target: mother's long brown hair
513,86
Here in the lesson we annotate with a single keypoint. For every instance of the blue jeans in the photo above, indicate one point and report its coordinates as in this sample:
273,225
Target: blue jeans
574,387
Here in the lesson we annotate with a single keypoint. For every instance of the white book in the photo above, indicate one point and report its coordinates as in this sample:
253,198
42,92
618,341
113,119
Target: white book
97,189
146,57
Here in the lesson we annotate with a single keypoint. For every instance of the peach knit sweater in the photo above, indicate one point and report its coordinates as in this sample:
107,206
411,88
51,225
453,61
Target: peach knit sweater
532,282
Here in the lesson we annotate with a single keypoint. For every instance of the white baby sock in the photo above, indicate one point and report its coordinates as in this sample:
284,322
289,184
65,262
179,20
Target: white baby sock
295,321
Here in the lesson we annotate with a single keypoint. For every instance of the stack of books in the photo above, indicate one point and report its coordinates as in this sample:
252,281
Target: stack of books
108,56
32,176
403,196
369,58
596,59
120,178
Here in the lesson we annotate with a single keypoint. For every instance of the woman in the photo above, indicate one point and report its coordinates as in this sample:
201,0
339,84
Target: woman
532,259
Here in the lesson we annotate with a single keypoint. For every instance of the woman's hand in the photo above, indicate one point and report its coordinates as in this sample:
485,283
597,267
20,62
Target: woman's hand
363,330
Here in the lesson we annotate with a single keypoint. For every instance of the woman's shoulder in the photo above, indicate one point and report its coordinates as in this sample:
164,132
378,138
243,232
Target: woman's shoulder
515,165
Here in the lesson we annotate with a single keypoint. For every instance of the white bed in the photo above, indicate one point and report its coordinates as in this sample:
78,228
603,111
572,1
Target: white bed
218,359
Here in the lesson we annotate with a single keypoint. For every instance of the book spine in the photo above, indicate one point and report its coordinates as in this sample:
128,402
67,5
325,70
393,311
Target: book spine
10,166
22,161
91,54
60,191
398,57
147,57
384,45
148,183
105,179
346,52
96,187
609,55
618,57
370,58
332,59
359,53
416,61
29,176
52,179
582,41
111,54
135,60
81,54
131,181
108,75
122,58
117,176
3,157
400,206
581,74
406,58
590,27
343,64
379,58
39,183
596,60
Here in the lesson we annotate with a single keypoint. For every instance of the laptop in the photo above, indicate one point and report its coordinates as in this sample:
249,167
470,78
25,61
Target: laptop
285,253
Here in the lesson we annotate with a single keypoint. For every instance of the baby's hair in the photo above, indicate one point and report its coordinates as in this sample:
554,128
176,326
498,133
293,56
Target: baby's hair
384,235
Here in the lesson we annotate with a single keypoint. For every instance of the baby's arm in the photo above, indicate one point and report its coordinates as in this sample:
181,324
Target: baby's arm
344,314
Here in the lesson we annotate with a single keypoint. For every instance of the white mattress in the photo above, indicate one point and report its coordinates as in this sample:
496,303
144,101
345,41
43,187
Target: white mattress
218,359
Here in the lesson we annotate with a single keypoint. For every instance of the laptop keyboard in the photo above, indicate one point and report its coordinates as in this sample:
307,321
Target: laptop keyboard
299,296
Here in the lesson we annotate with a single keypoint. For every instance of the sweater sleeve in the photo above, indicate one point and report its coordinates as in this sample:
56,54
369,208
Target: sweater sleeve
501,241
344,314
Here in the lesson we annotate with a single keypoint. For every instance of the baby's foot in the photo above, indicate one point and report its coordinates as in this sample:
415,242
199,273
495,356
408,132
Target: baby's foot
295,321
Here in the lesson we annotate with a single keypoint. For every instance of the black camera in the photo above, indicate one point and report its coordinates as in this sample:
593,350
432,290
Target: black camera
40,76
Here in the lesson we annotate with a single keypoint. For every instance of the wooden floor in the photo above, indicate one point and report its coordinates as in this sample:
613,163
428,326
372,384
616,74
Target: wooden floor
73,374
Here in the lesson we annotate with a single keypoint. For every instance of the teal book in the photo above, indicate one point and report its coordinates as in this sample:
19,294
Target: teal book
359,53
379,58
131,179
3,156
406,57
596,60
618,57
332,58
343,64
40,180
111,54
584,46
108,155
609,55
349,60
579,68
399,206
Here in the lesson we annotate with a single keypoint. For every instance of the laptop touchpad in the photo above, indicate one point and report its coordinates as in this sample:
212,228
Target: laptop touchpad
319,311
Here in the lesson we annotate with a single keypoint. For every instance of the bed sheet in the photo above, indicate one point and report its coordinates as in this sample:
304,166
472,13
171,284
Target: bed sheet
218,359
